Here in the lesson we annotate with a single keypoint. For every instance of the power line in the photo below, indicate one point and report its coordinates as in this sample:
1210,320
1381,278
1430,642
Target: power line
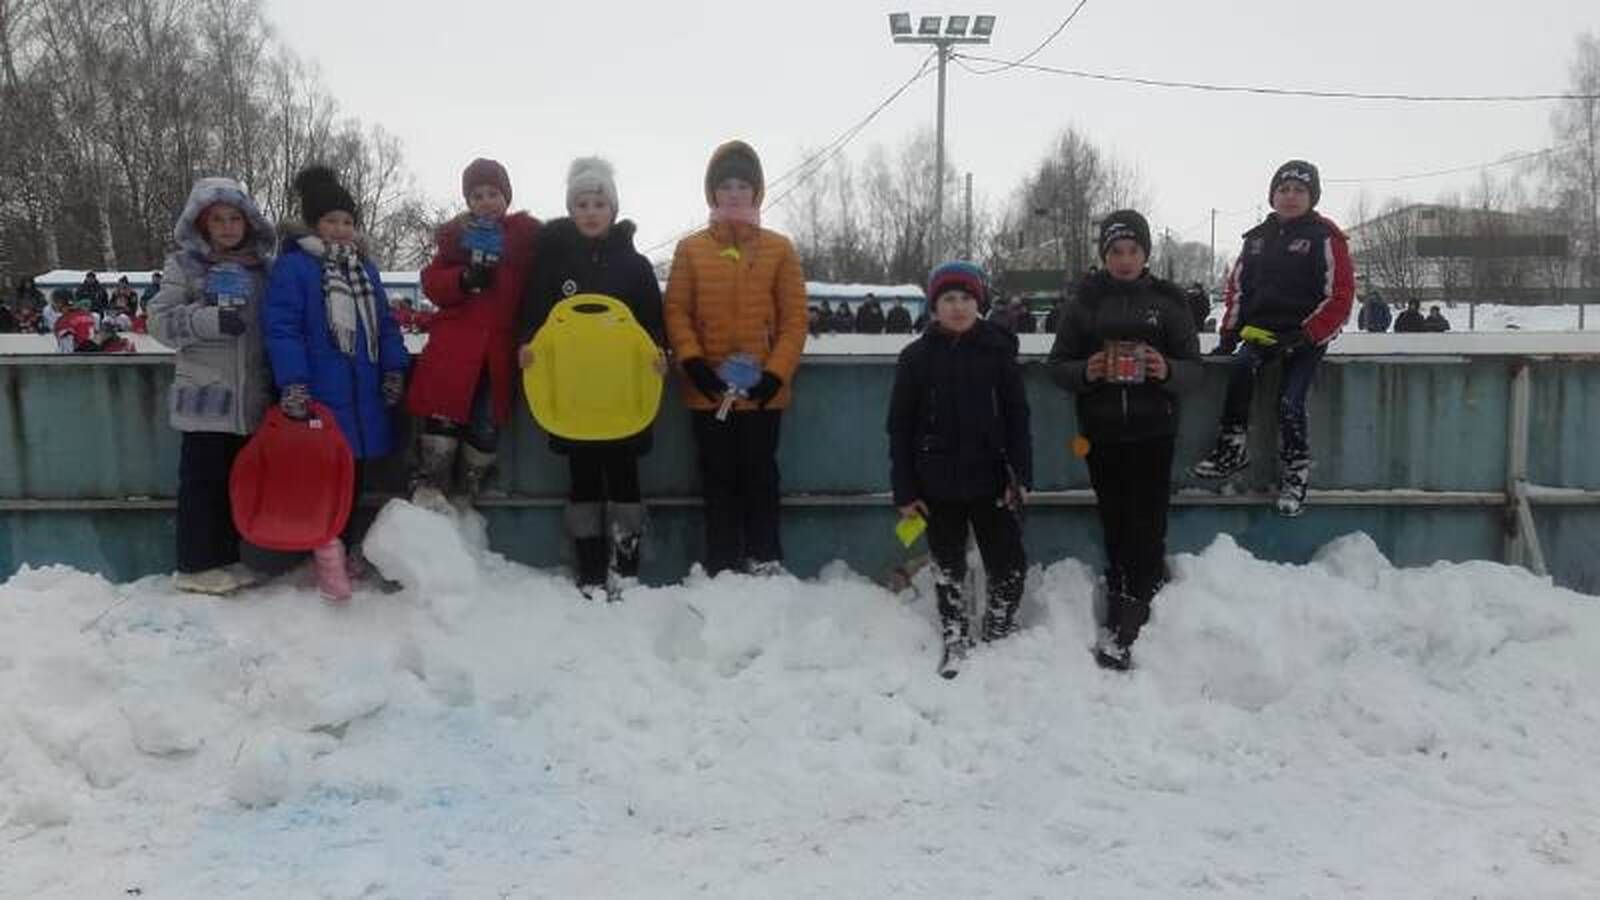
1031,53
1287,92
822,157
1438,172
816,161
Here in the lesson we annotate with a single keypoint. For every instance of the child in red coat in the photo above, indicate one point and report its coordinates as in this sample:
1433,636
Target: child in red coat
463,385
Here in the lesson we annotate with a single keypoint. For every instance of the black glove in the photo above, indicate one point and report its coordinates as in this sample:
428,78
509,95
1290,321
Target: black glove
295,401
475,278
1227,342
765,389
704,379
1290,341
230,322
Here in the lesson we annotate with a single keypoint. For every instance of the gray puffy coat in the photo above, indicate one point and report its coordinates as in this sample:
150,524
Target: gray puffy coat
222,382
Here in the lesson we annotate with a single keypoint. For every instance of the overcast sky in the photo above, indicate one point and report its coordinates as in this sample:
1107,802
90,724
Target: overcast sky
654,86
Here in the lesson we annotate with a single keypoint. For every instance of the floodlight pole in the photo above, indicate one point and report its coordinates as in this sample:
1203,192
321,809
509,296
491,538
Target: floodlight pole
942,44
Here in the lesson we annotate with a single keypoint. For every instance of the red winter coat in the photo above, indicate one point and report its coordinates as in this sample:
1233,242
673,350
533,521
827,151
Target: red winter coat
472,332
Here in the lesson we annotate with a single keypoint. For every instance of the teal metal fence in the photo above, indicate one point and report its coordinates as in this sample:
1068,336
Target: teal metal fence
1436,456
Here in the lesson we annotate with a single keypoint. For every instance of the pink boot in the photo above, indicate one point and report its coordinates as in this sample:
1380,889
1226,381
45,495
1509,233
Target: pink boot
332,579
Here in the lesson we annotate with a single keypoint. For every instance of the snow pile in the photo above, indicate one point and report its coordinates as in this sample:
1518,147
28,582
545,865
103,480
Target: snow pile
1337,729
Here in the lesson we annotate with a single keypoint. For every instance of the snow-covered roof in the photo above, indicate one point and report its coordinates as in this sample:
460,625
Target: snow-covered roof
825,290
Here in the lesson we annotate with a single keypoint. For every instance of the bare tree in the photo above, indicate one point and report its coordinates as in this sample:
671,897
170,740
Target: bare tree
1574,169
1386,249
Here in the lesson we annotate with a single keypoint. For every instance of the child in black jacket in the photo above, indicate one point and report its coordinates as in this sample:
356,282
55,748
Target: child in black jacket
1127,348
592,253
960,452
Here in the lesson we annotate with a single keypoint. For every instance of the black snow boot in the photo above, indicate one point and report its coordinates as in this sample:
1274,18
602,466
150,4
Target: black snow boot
1230,455
1000,616
953,620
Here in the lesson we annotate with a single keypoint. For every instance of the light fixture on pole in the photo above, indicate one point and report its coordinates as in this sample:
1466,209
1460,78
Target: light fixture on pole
943,32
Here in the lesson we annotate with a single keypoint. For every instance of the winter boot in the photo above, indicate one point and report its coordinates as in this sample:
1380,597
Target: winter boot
953,619
332,579
1294,475
1128,611
586,526
627,529
1230,455
1000,616
476,466
430,480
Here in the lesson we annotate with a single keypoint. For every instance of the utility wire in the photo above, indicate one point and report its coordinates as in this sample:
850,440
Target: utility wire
815,162
1520,157
1031,53
823,156
1287,92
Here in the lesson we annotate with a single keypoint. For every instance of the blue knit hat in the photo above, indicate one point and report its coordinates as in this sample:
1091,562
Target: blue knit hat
961,275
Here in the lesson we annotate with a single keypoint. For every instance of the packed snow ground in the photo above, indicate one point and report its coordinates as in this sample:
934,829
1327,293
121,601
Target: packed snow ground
1338,729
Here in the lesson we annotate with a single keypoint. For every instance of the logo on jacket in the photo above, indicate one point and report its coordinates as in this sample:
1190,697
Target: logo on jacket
1257,245
1300,245
569,287
1152,317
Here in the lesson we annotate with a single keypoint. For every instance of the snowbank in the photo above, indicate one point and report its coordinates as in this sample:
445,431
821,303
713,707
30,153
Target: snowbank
1343,728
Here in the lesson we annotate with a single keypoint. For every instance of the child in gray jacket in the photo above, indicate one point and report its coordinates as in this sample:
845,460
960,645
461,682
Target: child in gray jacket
208,310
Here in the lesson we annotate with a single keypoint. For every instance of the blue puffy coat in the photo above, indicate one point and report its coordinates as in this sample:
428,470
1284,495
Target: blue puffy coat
302,350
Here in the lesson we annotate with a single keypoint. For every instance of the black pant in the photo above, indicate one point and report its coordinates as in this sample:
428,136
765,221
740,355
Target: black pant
206,536
604,472
739,481
1132,487
998,530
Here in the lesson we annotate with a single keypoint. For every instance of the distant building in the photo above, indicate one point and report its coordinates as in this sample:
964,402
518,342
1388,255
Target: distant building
1433,252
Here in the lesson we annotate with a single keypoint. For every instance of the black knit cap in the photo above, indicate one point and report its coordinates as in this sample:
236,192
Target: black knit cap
1301,171
1124,223
321,193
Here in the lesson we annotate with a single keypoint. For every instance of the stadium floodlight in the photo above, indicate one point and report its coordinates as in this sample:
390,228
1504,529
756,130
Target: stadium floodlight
944,33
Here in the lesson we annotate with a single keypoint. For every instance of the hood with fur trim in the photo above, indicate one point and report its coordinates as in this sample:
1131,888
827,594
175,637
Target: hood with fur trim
262,238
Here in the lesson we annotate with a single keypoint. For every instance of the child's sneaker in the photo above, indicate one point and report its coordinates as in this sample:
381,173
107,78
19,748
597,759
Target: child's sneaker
217,581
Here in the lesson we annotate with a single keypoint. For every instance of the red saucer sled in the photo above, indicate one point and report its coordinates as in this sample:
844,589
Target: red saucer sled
291,484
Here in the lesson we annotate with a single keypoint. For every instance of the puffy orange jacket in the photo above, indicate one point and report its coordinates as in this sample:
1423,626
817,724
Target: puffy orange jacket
737,288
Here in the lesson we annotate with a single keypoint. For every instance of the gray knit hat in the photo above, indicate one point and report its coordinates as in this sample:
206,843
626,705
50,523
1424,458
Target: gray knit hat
591,175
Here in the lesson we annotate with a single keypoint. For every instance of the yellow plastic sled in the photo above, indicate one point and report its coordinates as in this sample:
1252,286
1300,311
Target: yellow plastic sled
593,376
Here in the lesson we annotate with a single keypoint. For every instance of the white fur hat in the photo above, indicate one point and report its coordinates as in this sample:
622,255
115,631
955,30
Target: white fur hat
591,175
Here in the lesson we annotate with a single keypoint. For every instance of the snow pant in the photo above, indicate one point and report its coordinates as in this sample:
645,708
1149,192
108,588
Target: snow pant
1299,369
738,460
206,536
1132,488
998,531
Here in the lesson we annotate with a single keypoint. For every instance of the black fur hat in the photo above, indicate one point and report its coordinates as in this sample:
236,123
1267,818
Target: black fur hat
321,193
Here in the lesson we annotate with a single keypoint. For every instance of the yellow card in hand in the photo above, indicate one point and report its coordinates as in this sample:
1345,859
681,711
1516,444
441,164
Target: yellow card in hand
909,529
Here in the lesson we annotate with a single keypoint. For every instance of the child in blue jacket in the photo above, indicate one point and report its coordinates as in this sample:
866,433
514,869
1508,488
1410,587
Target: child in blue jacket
331,337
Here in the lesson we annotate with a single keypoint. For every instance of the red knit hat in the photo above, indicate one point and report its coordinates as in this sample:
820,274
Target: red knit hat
486,171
